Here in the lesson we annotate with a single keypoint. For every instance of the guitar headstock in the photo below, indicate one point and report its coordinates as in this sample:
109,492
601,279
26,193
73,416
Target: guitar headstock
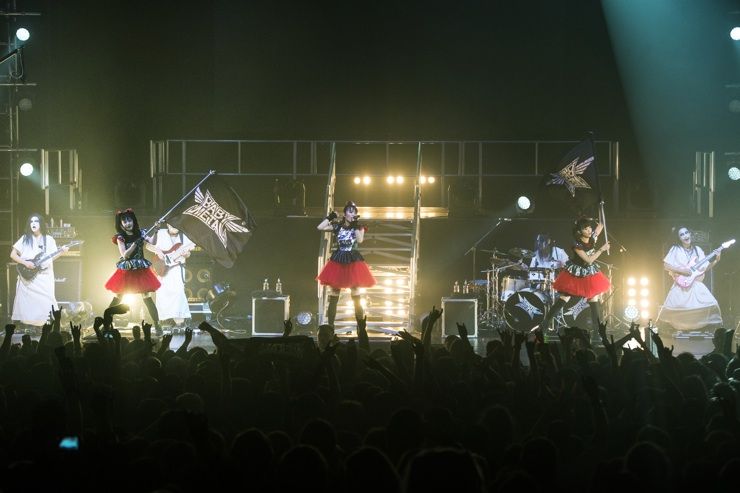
728,243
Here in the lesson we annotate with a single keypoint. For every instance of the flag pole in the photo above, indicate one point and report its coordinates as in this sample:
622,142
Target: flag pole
182,199
602,215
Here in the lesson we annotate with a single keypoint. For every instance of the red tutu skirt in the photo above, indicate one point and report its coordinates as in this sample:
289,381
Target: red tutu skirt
352,275
133,281
587,287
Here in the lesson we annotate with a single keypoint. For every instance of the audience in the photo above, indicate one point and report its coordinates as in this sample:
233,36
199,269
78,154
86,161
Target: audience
290,414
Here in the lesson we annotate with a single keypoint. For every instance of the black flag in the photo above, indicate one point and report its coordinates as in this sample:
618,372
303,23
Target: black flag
575,178
216,219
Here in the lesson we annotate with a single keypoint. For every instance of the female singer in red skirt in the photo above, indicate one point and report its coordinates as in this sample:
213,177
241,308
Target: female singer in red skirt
582,276
133,272
346,268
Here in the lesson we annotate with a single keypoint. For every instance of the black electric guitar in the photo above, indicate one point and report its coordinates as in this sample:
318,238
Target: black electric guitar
28,274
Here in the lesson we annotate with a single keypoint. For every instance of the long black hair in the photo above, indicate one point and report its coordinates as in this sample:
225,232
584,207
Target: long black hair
28,234
120,215
543,246
677,239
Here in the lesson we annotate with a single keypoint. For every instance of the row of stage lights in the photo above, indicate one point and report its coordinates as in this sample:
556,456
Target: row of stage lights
393,180
638,298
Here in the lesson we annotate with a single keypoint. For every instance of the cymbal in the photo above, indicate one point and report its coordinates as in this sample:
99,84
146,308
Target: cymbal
521,253
500,261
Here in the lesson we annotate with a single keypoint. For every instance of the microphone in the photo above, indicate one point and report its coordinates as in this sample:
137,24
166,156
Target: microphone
505,219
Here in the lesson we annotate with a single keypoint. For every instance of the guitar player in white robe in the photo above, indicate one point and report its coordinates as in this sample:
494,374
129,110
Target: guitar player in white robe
35,298
693,307
171,300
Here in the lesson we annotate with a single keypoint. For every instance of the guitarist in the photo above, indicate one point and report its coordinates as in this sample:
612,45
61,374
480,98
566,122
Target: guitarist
34,297
171,300
692,307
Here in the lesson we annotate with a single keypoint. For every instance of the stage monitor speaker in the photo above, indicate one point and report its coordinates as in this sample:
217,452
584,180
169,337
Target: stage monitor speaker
459,310
268,315
67,277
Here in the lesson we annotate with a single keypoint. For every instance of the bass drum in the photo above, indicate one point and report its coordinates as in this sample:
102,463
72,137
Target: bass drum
510,285
525,309
576,313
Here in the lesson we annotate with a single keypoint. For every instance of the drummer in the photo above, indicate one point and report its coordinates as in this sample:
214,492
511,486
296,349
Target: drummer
547,255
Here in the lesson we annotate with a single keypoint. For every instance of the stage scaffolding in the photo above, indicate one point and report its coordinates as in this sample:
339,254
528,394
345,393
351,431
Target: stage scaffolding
327,170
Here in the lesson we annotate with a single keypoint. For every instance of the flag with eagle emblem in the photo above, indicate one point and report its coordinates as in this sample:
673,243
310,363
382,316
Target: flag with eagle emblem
575,178
216,219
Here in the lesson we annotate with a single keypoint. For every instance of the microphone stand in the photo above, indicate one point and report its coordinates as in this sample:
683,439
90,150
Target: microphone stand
474,248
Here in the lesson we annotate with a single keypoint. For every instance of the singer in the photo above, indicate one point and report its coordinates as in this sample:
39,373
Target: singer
582,276
346,268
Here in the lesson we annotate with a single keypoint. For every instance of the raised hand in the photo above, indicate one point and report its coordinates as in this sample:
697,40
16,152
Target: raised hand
287,327
415,342
56,314
165,342
9,330
98,323
75,330
462,330
188,334
44,330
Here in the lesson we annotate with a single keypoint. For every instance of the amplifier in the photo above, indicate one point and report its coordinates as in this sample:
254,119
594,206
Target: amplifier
268,315
459,310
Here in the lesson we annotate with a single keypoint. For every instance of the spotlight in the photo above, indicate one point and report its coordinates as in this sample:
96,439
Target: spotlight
632,292
631,312
366,180
644,281
357,180
399,179
735,33
25,104
26,169
431,179
733,173
645,314
22,34
422,179
644,303
631,281
632,302
390,180
644,292
524,205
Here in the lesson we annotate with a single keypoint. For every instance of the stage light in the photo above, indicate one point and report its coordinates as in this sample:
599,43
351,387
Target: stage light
735,33
26,169
644,292
644,303
363,290
645,314
524,205
388,282
431,179
22,34
733,173
643,281
422,179
631,281
631,312
390,180
387,291
366,180
25,104
632,302
632,292
357,180
400,282
399,180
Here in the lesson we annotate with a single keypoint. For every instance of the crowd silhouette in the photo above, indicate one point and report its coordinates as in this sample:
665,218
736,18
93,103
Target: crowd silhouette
292,413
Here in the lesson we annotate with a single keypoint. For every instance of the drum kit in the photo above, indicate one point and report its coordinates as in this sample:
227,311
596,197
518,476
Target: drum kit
518,296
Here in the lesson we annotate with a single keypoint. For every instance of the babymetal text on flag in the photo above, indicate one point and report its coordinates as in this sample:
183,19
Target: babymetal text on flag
218,219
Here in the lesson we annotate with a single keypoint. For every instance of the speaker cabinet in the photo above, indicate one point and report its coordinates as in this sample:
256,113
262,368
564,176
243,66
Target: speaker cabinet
67,280
268,315
459,310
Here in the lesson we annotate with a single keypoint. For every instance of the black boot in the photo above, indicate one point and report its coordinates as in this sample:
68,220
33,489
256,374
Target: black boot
115,301
331,310
154,313
359,311
595,319
551,313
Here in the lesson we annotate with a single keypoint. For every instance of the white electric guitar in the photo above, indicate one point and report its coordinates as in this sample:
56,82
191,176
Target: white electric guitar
174,256
694,266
